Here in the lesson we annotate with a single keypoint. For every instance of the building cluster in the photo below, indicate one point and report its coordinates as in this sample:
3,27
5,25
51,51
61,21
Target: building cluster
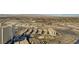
7,32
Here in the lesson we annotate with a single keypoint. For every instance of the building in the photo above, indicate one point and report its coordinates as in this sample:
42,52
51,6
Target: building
52,32
6,33
0,24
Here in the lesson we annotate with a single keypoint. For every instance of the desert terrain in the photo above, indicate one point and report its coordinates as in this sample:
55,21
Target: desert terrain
45,29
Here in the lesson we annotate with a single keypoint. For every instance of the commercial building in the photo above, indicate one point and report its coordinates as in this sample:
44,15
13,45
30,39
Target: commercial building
6,33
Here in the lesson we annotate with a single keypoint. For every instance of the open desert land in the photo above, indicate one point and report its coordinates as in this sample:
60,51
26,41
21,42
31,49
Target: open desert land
44,29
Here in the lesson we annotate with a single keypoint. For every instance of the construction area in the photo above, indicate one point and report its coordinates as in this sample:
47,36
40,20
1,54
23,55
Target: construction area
39,30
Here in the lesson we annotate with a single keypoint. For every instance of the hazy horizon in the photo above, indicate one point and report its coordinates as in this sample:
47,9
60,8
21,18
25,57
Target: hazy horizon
65,15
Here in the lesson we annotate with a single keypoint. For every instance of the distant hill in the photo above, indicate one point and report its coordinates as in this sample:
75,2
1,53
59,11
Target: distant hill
40,17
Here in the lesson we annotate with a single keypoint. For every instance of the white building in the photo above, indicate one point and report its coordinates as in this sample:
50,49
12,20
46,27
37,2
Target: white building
52,32
0,24
6,33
